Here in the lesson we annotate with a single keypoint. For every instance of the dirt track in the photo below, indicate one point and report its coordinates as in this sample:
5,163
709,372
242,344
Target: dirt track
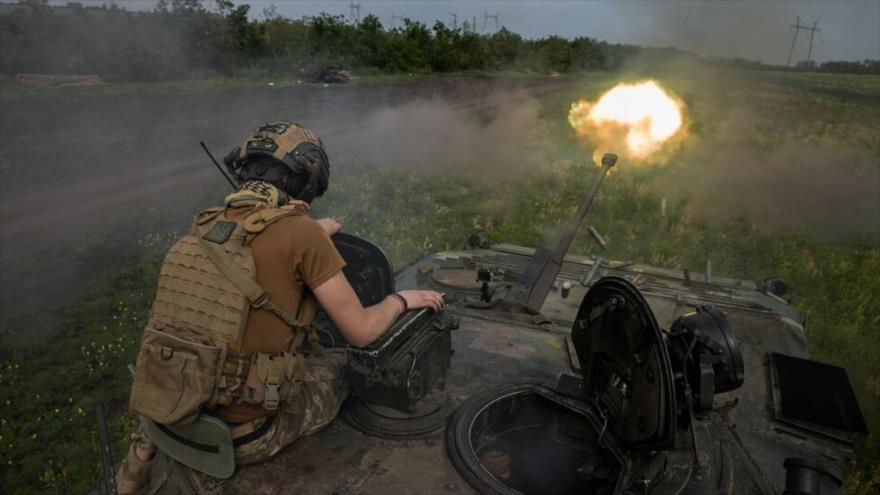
77,178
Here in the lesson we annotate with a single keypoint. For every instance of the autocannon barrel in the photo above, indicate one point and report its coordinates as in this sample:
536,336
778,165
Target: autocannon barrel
536,280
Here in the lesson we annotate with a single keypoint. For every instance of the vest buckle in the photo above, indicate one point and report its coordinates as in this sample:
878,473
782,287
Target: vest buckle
273,381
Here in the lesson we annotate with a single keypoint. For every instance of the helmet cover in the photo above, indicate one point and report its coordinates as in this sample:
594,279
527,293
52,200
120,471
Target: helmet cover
291,144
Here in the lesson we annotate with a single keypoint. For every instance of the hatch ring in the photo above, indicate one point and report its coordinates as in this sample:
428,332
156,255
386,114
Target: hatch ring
551,443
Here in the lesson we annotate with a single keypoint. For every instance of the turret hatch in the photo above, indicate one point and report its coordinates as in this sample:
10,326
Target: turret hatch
626,369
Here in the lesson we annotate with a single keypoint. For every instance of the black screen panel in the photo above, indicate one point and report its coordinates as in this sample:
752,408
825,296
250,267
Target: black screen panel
817,393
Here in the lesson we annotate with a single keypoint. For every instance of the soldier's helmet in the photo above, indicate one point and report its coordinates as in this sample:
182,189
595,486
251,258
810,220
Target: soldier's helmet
285,154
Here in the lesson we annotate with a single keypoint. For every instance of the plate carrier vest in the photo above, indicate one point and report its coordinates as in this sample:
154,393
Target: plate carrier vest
187,359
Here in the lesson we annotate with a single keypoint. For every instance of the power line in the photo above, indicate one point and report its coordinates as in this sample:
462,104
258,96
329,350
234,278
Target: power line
813,30
797,26
354,11
486,18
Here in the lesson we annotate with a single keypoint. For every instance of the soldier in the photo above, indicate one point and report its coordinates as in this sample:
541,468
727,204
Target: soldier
233,307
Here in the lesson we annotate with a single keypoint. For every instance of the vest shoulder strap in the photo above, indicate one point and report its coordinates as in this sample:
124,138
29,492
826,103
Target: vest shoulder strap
207,215
256,295
257,221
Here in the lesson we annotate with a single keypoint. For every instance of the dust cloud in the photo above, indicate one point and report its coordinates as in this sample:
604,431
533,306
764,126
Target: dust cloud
123,166
487,140
827,191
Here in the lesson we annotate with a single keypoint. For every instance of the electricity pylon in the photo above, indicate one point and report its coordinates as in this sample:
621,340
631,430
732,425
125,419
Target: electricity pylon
797,26
354,11
486,18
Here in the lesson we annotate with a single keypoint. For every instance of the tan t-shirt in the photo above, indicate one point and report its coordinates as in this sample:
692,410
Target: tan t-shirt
291,255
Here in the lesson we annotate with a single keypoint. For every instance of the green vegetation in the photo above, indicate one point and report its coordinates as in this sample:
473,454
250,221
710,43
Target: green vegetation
48,384
183,39
196,39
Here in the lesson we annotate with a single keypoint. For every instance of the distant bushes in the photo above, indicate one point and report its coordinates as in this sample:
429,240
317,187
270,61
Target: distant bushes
863,67
183,39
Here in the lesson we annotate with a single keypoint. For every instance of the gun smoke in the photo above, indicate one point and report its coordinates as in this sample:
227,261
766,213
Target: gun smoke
131,165
484,140
823,190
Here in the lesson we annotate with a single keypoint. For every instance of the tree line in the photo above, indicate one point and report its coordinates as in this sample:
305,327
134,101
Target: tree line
185,38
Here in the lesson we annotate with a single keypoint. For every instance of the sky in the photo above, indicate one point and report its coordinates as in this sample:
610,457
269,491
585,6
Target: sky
756,30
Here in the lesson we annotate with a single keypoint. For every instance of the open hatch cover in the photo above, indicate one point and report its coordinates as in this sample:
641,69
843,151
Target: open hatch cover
368,271
625,365
366,267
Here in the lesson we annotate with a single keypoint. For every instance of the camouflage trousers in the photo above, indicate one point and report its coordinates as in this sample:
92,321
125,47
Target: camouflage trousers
325,387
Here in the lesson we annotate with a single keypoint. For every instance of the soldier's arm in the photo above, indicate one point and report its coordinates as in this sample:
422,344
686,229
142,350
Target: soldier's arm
360,325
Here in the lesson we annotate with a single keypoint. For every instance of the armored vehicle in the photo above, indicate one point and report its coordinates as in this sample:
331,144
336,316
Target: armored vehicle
581,375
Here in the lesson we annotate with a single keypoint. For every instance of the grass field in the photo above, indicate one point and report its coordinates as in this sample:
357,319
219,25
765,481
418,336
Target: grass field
48,440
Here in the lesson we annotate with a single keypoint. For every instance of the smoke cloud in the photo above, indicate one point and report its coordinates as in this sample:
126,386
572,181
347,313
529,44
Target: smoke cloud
131,164
488,140
830,191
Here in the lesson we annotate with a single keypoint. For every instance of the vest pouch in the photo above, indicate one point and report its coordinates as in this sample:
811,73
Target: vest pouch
273,379
175,378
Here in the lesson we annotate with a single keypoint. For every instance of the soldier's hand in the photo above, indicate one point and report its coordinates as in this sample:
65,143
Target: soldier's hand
330,225
416,299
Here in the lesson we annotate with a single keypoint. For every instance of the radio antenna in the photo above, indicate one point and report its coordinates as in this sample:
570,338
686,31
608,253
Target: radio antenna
231,182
